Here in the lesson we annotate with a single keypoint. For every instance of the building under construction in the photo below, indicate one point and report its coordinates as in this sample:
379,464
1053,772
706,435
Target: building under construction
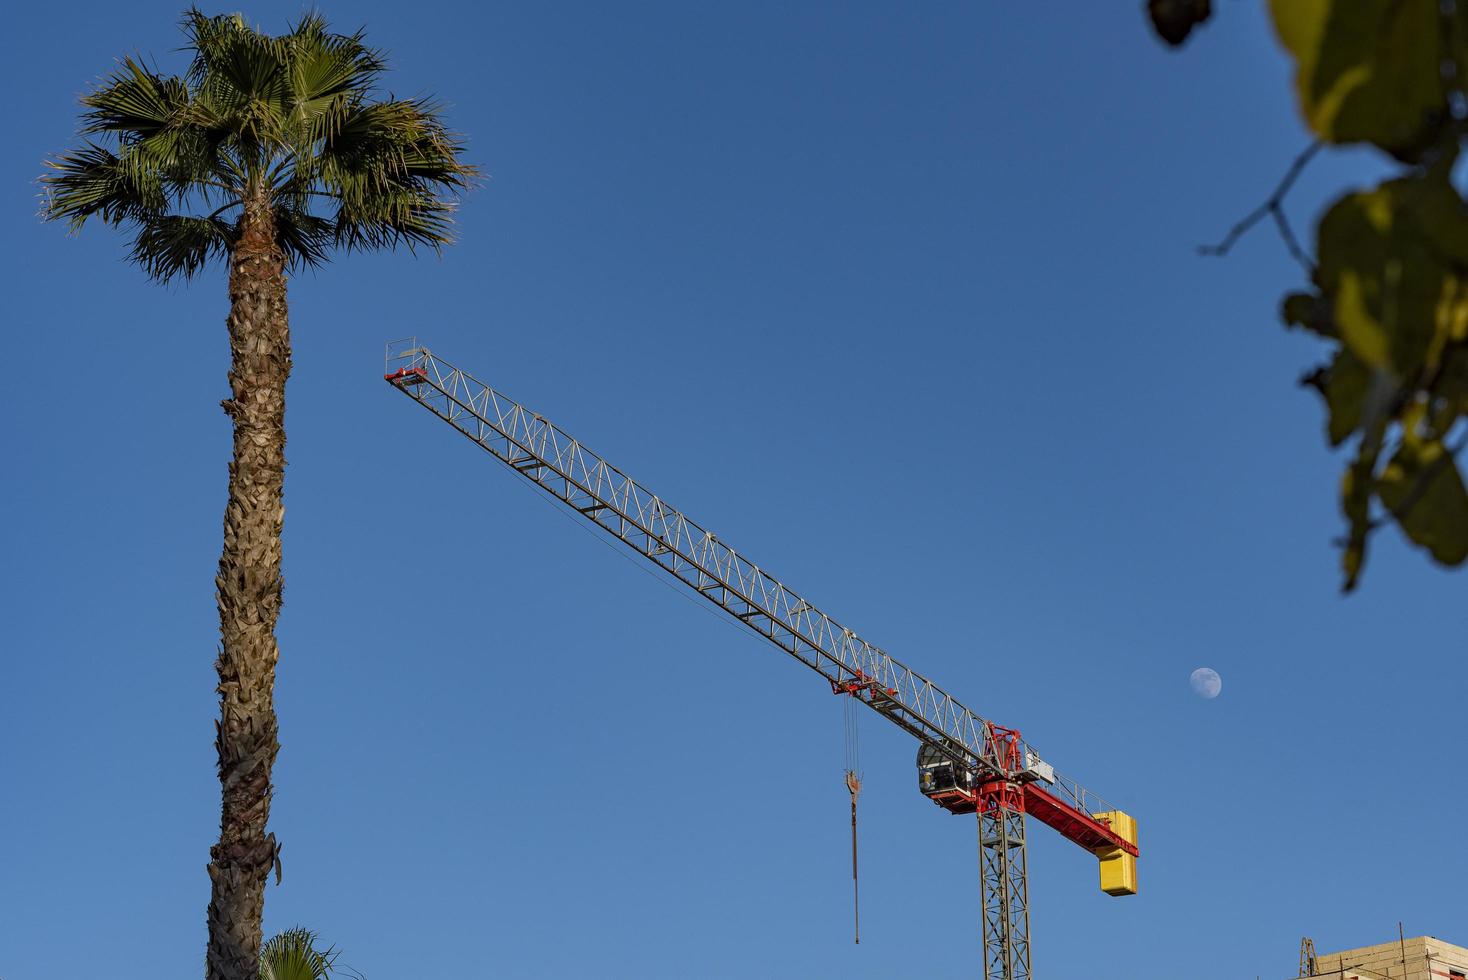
1422,958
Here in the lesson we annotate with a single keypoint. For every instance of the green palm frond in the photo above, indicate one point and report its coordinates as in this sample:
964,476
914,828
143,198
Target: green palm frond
391,167
290,121
245,75
173,244
135,102
93,181
410,220
306,238
326,67
292,955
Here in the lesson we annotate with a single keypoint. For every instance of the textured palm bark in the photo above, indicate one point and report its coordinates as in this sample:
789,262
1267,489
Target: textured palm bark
249,596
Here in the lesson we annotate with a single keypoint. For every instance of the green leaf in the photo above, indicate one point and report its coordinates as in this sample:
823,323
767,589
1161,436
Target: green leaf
1367,70
1390,265
1307,311
1451,390
1343,384
1423,489
1357,485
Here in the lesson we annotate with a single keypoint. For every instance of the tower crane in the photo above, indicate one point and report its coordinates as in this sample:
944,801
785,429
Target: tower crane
966,764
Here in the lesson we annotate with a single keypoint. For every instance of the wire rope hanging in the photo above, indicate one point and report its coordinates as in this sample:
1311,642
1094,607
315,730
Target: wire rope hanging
853,786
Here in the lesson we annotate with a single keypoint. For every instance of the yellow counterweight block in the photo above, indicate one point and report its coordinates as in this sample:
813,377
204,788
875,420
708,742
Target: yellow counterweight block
1118,868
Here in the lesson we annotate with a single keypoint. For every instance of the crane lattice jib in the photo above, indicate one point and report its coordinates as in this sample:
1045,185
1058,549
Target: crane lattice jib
564,468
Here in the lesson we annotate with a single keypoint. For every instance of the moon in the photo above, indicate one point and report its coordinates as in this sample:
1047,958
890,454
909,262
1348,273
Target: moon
1206,683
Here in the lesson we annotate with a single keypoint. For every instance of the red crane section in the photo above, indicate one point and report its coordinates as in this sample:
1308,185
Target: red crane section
1094,833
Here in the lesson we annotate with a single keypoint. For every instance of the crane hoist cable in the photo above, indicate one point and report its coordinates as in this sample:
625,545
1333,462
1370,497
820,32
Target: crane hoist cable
853,786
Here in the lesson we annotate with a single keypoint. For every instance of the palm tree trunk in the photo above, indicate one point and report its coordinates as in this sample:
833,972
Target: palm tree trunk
249,595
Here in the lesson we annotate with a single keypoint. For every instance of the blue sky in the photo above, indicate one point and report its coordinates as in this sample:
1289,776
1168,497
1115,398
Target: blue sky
899,299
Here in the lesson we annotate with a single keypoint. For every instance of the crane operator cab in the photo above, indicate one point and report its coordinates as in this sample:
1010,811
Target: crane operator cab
945,782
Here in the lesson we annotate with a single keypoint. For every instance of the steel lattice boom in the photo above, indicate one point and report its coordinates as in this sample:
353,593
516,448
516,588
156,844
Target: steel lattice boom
974,766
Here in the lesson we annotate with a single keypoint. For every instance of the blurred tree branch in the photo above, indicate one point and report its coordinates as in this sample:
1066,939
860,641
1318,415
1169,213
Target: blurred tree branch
1273,206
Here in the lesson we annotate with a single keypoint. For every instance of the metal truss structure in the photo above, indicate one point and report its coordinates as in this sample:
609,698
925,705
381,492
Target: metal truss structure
1004,875
1004,778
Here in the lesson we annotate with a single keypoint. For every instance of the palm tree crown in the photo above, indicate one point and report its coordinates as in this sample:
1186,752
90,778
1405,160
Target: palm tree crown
289,122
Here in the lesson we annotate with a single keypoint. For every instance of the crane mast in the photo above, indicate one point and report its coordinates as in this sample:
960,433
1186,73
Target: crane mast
966,763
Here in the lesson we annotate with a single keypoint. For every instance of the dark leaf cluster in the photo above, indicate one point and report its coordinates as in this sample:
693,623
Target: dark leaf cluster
1174,20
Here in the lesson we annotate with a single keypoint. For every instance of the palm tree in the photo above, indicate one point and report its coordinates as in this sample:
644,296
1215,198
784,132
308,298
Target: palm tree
292,955
268,153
